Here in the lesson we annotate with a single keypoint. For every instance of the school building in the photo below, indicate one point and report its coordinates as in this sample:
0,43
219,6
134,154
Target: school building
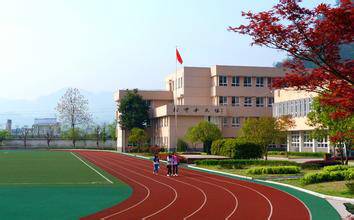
224,95
298,105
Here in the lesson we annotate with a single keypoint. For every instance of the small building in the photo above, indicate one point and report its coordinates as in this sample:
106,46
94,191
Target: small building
224,95
298,105
8,125
42,126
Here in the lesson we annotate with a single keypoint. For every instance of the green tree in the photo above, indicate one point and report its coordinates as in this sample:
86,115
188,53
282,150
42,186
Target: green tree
97,135
339,130
4,134
134,111
73,134
204,132
138,137
266,131
112,130
104,134
182,146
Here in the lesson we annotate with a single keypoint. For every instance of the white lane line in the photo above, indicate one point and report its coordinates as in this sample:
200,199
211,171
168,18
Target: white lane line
202,191
168,205
254,190
221,187
130,207
92,168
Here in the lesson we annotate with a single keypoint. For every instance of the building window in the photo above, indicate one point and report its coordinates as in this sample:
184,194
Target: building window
247,81
307,140
222,80
235,81
236,121
270,101
235,101
295,139
259,81
269,81
224,122
259,101
222,100
248,102
322,143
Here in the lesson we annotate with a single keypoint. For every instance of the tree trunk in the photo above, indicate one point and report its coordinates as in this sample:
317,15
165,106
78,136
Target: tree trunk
74,135
346,153
265,152
207,146
341,153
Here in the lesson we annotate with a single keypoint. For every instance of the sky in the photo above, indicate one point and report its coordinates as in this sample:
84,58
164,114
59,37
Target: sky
96,45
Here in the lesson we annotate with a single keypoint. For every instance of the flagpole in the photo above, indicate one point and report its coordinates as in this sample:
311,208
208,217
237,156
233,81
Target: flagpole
175,100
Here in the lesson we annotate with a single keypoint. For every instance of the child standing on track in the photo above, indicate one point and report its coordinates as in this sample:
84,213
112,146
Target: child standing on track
169,164
175,163
156,163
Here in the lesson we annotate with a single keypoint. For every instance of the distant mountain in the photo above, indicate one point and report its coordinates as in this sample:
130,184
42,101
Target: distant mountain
23,112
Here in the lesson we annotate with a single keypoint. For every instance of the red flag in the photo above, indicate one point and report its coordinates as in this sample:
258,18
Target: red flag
178,57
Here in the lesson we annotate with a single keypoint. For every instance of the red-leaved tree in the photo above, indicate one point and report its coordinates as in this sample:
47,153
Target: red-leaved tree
311,35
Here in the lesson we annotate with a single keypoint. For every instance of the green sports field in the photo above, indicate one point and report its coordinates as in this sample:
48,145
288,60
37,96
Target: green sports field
54,185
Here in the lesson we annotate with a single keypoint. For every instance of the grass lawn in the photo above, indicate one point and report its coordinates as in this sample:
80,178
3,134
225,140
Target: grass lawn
336,188
329,188
53,185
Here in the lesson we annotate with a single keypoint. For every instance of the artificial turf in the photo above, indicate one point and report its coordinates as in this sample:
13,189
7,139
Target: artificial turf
45,167
54,185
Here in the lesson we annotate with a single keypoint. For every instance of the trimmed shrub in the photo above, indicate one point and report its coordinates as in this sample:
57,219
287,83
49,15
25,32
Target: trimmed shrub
304,154
310,166
247,150
349,207
276,153
247,162
328,176
323,163
227,166
336,168
274,170
182,146
236,148
350,174
307,154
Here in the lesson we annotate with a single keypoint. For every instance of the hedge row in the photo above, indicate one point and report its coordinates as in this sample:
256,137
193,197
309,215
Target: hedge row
326,176
247,162
337,168
304,154
307,154
236,148
274,170
319,163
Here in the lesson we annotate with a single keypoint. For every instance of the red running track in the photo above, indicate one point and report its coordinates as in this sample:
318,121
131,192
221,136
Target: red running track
191,195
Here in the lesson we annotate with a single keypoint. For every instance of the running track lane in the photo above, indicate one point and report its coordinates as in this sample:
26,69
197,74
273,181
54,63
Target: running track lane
192,195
